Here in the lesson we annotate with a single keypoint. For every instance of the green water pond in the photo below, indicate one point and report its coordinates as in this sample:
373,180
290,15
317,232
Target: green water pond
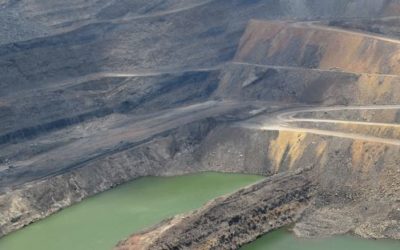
99,222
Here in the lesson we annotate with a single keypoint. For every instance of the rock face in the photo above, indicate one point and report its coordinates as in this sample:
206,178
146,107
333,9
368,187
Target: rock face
353,190
245,81
165,153
98,93
41,198
233,220
311,46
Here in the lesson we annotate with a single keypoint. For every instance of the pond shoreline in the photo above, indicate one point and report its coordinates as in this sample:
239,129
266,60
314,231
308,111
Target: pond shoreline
90,224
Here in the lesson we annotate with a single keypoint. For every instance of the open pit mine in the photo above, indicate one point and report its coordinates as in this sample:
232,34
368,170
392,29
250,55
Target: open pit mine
219,121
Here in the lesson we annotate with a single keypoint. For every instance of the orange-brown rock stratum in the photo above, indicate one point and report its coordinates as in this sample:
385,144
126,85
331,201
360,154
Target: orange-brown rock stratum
310,45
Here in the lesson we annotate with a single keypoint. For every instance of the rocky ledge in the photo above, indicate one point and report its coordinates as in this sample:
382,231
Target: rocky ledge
233,220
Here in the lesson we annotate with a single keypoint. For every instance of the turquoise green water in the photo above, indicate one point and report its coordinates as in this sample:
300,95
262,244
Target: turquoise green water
98,223
283,240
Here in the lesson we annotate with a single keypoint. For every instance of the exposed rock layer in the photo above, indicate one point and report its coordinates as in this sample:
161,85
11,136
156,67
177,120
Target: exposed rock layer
312,46
233,220
354,191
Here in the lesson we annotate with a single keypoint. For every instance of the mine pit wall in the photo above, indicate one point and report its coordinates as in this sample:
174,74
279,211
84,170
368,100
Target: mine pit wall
359,168
167,154
344,159
233,220
40,111
352,186
318,47
179,151
307,86
357,179
348,173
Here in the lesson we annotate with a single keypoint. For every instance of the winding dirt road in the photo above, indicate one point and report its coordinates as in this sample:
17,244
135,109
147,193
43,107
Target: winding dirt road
314,25
285,121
